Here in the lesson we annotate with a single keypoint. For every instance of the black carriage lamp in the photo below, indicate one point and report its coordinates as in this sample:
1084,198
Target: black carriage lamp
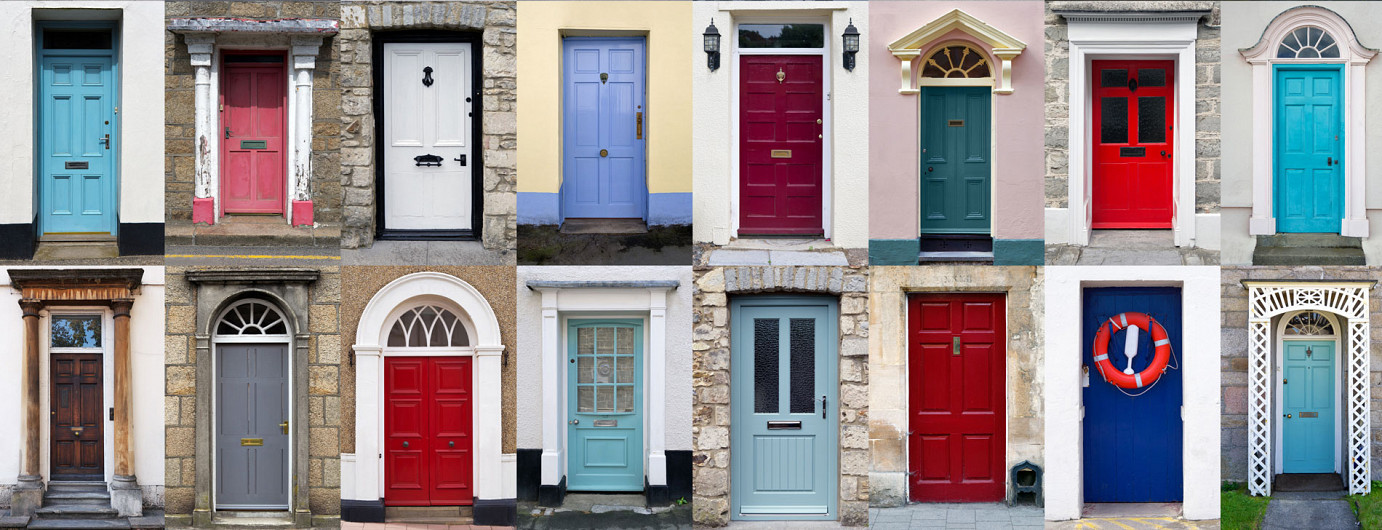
851,37
712,46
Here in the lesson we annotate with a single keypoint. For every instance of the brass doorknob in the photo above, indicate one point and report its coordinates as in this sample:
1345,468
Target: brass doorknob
1288,416
284,426
604,152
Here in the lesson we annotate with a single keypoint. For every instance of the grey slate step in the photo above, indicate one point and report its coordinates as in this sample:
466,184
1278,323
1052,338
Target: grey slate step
77,485
75,511
76,497
1309,241
1308,256
80,524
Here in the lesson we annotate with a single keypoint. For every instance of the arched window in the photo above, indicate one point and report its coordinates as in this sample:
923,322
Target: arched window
1309,323
252,317
428,326
956,62
1307,42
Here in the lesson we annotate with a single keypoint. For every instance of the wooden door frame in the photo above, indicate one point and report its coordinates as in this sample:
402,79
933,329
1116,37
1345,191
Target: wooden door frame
107,383
218,132
378,38
1279,393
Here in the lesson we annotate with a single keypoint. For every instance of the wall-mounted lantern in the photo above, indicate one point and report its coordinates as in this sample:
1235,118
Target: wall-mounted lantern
712,46
851,38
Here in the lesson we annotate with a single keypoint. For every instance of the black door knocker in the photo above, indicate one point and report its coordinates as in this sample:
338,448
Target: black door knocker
1132,84
603,78
427,76
428,160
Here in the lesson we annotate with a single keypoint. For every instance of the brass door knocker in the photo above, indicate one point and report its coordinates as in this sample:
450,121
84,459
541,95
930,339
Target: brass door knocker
780,75
603,77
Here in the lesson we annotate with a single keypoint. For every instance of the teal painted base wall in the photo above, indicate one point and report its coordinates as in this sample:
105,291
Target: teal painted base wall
894,251
1019,252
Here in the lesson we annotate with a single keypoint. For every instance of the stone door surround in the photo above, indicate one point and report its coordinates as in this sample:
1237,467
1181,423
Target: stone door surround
45,288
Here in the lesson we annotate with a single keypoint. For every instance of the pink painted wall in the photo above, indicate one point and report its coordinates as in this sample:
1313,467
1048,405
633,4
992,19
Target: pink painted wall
893,127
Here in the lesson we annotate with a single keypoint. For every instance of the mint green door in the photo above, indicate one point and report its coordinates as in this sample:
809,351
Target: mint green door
1307,408
785,409
955,155
605,405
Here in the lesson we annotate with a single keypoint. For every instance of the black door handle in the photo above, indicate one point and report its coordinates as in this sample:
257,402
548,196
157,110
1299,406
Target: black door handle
461,160
1328,160
822,407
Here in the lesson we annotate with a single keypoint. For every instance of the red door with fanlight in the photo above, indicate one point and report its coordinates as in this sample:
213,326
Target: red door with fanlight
780,102
957,364
1132,149
254,128
427,433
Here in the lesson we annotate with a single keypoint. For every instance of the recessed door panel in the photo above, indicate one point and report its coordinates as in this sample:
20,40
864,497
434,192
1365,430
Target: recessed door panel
605,405
1132,118
1309,155
428,442
77,141
1307,422
254,107
604,125
427,98
957,365
780,145
77,423
251,436
955,172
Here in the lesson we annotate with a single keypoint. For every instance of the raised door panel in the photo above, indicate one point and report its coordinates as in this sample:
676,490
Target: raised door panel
428,91
780,145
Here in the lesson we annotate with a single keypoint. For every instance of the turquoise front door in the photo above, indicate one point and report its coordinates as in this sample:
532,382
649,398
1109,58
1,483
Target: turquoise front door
785,408
955,156
1309,149
77,145
1307,407
605,405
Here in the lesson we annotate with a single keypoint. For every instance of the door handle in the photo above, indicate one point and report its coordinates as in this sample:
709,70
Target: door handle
227,132
575,422
930,169
105,139
1288,416
461,159
1328,160
284,426
405,444
822,407
639,130
451,443
77,431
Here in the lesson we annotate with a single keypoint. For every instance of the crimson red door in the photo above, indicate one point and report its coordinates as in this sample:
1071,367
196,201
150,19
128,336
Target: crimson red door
1132,151
427,432
254,126
78,448
957,364
780,145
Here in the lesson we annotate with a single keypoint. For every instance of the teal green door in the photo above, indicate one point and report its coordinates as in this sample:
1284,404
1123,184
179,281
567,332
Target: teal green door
605,404
1309,149
785,408
1307,415
77,145
955,158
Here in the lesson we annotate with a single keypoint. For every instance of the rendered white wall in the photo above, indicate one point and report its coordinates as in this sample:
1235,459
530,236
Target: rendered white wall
713,142
141,103
1199,358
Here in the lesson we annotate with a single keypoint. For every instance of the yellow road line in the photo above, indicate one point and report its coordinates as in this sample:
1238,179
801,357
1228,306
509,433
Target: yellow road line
247,256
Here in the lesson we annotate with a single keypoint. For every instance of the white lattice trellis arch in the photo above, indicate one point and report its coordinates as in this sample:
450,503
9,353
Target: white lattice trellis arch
1267,299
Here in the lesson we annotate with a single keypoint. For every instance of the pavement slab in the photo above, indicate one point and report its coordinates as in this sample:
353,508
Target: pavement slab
956,516
426,253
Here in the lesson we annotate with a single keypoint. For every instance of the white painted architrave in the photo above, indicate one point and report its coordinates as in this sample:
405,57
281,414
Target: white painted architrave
563,300
1141,35
920,42
1278,357
1355,57
365,479
1347,300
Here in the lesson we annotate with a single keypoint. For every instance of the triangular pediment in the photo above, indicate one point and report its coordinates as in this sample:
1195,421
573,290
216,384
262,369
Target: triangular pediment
955,19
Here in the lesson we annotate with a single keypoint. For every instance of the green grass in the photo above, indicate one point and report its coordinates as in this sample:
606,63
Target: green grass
1368,507
1238,510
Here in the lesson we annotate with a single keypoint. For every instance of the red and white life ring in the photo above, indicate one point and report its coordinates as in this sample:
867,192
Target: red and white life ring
1141,379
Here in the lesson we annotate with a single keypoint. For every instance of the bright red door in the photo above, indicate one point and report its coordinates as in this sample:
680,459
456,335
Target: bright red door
1132,131
780,145
254,126
427,431
957,364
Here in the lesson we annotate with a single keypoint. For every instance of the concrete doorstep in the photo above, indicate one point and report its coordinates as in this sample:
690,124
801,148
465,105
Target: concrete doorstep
585,510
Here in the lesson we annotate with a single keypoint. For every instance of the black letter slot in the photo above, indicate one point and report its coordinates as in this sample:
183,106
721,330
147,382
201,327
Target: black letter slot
1132,151
784,425
76,165
427,160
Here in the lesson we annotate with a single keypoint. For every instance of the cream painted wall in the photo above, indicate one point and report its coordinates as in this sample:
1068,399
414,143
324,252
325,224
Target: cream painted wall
668,118
141,103
1243,25
713,132
1019,146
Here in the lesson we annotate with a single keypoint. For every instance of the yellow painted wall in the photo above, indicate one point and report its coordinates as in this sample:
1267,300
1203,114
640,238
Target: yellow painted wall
671,51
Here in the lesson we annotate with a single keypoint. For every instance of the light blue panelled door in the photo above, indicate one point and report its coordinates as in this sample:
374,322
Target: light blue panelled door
77,192
1307,407
605,405
603,172
1309,149
785,408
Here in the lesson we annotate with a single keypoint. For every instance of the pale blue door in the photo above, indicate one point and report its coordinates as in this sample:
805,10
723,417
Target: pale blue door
1309,149
605,405
603,118
77,192
785,408
1307,407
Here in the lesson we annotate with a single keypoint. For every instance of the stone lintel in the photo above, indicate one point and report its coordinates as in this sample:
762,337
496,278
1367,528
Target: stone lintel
576,284
319,26
252,276
1124,6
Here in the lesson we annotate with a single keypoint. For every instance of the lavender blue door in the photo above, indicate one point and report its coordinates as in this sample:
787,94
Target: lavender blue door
77,145
603,117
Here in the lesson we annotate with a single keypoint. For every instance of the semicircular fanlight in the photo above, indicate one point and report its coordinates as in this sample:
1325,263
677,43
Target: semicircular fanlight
1308,42
1309,323
428,326
252,317
956,62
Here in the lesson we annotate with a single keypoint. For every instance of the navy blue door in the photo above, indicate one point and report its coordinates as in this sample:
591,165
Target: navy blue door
1132,445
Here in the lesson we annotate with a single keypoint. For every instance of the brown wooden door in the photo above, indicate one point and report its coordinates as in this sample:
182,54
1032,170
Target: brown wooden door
77,452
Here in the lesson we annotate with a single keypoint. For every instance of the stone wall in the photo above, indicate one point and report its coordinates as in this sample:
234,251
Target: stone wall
1234,361
711,412
179,129
889,406
498,22
324,397
1206,102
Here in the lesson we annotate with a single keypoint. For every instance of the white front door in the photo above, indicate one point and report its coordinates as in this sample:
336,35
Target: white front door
428,154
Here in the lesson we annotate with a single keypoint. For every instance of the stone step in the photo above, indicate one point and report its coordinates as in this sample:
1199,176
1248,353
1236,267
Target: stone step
76,511
79,524
76,485
1308,256
1309,241
76,497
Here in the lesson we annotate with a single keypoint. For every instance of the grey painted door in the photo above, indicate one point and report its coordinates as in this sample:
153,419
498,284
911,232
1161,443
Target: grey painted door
251,426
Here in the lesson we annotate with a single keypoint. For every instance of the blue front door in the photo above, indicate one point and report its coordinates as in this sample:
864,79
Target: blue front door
785,408
605,405
604,120
1307,415
1132,445
955,160
1309,149
77,192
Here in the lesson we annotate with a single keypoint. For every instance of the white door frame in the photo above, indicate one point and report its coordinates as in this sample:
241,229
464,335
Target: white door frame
107,383
1339,397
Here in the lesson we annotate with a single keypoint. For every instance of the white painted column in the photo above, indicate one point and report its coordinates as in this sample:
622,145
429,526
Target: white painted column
1183,163
1077,160
304,52
552,419
1355,153
1262,222
201,47
369,424
488,423
657,387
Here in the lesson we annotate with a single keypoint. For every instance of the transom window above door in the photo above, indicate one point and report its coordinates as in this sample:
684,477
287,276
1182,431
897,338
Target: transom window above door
1308,42
606,369
428,326
252,317
73,331
1309,323
781,35
956,62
